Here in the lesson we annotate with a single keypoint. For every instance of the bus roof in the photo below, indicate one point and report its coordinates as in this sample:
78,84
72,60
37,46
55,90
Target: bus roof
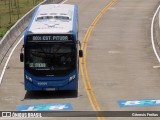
53,19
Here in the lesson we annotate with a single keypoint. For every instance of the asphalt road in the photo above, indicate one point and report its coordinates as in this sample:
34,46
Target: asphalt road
120,61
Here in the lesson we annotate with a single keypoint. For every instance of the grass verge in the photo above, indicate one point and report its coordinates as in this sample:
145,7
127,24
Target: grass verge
12,10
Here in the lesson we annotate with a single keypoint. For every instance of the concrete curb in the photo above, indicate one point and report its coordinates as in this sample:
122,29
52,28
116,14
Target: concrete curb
11,36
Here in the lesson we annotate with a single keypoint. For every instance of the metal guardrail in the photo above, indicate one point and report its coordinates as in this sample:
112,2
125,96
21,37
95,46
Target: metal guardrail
11,36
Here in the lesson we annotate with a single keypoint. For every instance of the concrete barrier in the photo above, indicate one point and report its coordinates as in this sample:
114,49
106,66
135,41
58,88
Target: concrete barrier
12,35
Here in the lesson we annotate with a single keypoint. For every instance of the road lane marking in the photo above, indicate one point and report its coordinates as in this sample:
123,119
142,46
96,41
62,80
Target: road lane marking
45,107
139,103
113,52
83,64
159,19
152,36
156,67
10,55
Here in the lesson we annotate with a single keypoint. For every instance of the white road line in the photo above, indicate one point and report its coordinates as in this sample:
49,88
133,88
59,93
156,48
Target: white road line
6,64
159,19
152,36
156,67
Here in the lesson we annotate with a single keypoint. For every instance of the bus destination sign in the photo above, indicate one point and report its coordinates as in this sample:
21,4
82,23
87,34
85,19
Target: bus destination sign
50,38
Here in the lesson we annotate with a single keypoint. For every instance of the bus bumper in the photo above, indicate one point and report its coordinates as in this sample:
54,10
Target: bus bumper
73,85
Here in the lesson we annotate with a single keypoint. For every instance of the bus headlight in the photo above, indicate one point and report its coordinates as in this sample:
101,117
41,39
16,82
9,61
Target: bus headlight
28,78
72,78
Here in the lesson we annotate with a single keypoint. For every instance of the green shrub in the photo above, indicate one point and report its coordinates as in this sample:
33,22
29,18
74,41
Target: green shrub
1,34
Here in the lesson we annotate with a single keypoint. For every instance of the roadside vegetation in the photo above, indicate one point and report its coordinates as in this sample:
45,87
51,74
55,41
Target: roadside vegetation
12,10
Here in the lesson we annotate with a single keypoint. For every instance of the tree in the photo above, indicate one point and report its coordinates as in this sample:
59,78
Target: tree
15,3
5,2
18,9
9,6
34,2
0,18
0,21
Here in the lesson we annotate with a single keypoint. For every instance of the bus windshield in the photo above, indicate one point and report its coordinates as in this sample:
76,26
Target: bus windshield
50,59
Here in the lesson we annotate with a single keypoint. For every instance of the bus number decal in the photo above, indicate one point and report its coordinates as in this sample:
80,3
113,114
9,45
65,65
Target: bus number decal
36,38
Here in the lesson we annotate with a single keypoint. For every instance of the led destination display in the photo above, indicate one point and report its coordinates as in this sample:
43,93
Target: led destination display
50,37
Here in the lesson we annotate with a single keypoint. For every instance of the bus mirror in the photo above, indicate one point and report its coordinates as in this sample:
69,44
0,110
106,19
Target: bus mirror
21,57
80,53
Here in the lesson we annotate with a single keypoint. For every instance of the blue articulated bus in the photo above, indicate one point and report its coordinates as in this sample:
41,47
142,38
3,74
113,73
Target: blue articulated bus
52,49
